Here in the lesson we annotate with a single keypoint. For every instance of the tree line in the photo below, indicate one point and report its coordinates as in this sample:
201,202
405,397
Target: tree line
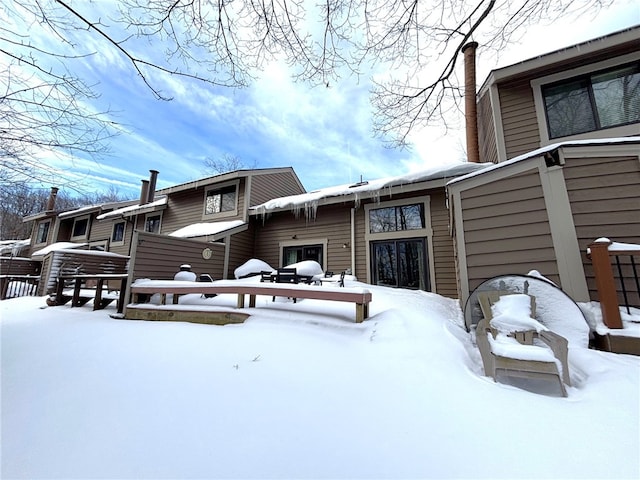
19,200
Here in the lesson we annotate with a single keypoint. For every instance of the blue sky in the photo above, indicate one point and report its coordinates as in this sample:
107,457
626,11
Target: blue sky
325,134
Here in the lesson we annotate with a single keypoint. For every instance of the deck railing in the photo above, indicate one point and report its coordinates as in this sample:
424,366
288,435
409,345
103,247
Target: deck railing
601,251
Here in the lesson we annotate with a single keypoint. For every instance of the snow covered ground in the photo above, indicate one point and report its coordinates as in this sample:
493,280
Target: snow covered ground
297,391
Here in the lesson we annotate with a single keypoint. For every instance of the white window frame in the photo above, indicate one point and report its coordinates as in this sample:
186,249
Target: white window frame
85,235
46,237
220,186
152,214
426,232
301,242
538,99
124,233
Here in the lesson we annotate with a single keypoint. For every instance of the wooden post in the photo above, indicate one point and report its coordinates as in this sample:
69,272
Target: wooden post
605,283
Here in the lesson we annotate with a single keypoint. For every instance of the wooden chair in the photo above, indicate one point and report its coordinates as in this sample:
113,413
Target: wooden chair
496,364
205,277
286,275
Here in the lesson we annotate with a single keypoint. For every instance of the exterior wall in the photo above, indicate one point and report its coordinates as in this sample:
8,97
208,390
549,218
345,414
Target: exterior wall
604,194
186,208
331,225
486,131
520,124
100,231
443,255
506,229
265,187
241,249
159,257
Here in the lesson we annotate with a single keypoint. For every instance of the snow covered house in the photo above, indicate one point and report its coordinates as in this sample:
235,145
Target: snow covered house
391,231
564,132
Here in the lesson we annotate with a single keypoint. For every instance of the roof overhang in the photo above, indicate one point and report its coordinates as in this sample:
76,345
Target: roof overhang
556,153
620,39
211,231
133,210
414,182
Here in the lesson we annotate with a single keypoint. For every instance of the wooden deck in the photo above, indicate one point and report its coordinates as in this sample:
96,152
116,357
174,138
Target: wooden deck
359,296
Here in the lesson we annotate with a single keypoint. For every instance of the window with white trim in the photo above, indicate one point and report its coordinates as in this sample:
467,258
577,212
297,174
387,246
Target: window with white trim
80,228
595,101
43,232
152,222
118,232
221,200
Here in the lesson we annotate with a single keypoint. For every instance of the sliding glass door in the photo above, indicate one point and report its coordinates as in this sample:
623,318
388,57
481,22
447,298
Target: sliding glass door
400,263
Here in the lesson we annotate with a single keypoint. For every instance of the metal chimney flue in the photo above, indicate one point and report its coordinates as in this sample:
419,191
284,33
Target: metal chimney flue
144,192
152,185
471,110
51,202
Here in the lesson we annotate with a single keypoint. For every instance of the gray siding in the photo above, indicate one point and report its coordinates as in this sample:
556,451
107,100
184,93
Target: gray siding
506,229
604,194
265,187
519,122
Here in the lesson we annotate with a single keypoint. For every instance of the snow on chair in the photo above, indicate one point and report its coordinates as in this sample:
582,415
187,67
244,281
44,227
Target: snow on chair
507,337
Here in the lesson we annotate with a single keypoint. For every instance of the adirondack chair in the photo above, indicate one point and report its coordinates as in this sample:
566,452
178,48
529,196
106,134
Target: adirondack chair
516,354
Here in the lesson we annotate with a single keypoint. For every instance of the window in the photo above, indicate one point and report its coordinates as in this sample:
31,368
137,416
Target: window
400,263
117,234
43,232
395,219
220,200
80,227
605,99
152,223
299,253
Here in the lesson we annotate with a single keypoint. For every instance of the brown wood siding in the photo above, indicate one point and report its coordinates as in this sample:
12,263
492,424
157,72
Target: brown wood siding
265,187
331,222
186,208
604,194
519,121
159,257
486,131
100,231
241,249
507,230
443,255
360,246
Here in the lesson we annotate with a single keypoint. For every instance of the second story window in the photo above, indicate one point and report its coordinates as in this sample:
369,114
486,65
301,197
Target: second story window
604,99
152,223
394,219
220,200
117,234
80,228
43,232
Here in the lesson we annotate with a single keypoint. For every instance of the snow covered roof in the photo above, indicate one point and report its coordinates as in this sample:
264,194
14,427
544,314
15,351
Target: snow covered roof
94,208
57,246
205,229
366,189
541,151
137,209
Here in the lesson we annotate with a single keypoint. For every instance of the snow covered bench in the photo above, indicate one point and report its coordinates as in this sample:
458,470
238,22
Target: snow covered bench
140,290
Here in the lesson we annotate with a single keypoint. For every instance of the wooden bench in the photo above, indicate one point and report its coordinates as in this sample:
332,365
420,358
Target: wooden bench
360,296
101,280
